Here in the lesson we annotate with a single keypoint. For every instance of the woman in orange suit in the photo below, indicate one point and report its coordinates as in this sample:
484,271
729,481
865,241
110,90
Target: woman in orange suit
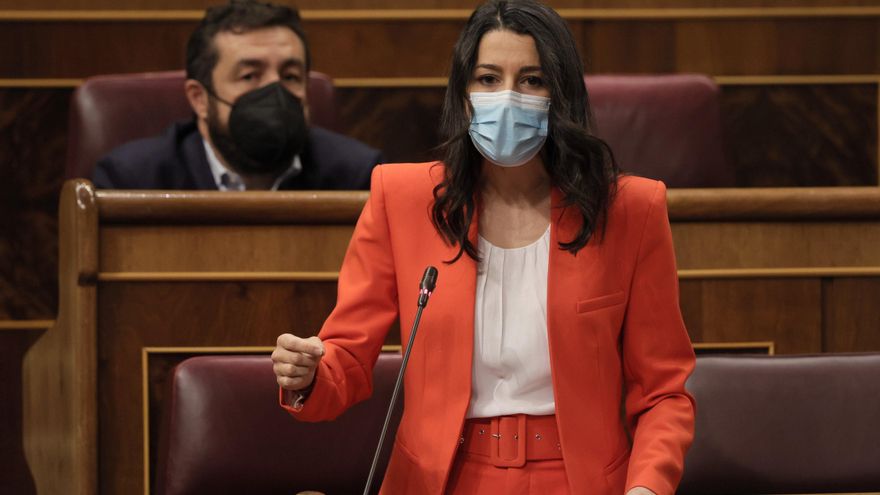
553,357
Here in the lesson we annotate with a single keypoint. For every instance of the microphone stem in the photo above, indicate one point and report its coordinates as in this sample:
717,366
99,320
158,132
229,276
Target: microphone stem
412,336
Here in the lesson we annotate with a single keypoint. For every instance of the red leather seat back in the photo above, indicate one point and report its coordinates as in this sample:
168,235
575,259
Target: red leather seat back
224,432
665,127
107,111
785,424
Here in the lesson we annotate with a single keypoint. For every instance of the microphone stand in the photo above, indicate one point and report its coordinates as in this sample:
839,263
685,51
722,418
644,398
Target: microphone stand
427,285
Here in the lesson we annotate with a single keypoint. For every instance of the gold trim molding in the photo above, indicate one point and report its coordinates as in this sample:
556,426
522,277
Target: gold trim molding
390,82
218,276
26,324
683,274
774,80
440,82
615,14
770,346
40,83
797,272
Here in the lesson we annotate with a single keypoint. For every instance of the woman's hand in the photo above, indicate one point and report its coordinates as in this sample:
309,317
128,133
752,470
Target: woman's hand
295,361
640,490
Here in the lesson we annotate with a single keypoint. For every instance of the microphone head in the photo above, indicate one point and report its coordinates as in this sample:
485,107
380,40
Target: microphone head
429,279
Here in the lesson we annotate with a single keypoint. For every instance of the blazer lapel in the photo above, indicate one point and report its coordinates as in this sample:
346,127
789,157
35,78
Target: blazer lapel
446,354
456,292
563,267
573,348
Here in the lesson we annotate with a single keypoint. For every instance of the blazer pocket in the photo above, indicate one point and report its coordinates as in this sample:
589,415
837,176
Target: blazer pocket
600,302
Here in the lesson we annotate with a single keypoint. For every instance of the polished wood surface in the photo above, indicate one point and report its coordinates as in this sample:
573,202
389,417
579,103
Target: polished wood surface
787,312
777,244
703,348
59,373
802,203
726,47
806,133
309,7
25,325
246,274
194,248
213,207
852,318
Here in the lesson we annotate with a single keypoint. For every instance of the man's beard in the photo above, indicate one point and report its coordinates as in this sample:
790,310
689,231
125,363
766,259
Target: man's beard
236,159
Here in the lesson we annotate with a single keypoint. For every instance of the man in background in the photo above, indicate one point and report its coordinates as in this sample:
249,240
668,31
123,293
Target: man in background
247,66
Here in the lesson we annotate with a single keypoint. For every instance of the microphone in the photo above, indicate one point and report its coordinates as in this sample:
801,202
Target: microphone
426,288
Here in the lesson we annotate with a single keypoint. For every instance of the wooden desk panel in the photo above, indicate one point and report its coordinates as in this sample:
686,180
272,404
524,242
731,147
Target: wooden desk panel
797,268
134,315
787,312
222,248
776,244
851,309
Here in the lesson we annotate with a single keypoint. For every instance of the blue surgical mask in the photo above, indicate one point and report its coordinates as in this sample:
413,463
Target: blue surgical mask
509,128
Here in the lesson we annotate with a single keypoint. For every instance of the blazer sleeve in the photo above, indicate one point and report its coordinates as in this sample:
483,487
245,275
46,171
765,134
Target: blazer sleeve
658,358
366,307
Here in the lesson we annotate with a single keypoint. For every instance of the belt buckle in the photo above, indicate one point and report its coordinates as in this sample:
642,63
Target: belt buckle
508,441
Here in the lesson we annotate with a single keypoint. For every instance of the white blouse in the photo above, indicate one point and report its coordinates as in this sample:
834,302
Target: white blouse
511,368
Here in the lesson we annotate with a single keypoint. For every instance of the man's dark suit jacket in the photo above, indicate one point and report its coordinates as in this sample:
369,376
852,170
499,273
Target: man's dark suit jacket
176,159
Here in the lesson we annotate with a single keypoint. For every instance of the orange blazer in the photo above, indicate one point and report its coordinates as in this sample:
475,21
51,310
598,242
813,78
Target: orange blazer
616,337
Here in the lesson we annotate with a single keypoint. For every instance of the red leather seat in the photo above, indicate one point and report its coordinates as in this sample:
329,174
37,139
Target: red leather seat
785,424
224,432
107,111
765,424
665,127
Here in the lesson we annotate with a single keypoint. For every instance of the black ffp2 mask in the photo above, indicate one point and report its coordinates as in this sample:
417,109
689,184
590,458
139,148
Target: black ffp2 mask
267,128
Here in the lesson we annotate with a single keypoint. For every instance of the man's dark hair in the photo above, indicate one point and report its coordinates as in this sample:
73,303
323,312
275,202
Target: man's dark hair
239,16
578,163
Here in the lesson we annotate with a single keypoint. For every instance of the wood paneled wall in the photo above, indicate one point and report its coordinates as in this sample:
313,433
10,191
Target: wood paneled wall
783,135
33,124
371,48
799,78
778,134
461,5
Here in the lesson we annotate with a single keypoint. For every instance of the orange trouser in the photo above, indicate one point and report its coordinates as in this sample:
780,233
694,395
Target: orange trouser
535,478
509,455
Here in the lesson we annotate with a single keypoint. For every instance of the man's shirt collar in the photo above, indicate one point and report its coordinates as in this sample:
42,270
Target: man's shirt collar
227,180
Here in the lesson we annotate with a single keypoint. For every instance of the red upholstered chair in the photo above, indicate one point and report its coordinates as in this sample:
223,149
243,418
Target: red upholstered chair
107,111
785,424
224,432
664,127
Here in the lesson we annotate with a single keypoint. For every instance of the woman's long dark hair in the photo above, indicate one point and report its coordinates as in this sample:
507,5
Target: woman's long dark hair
578,163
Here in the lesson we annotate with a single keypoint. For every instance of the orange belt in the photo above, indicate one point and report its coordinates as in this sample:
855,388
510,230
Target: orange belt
510,441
